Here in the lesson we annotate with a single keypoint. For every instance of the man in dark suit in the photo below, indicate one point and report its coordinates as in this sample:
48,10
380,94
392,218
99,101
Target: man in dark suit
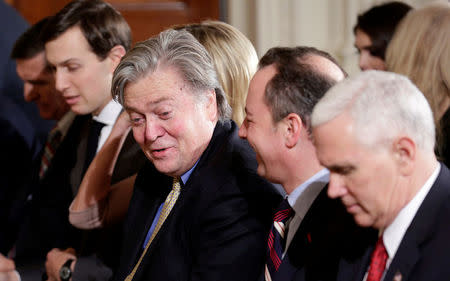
83,72
12,25
199,211
289,82
376,135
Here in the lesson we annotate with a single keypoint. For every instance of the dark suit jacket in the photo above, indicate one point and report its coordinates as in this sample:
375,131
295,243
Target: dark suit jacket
424,252
218,226
326,235
17,144
48,226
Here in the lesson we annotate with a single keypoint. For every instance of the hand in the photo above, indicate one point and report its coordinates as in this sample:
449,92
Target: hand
121,126
6,264
7,269
56,259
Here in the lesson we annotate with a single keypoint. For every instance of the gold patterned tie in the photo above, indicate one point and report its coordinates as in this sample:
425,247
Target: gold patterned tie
168,205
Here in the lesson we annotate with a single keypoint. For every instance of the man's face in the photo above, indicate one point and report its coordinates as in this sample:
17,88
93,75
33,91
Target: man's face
258,127
365,179
39,87
83,79
367,61
172,126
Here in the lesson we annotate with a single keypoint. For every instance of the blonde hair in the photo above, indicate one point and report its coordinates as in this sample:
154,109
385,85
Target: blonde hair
234,58
420,49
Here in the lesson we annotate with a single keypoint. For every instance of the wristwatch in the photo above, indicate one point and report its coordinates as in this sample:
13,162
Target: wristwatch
65,272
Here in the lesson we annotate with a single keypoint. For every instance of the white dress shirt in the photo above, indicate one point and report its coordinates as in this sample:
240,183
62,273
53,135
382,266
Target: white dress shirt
107,116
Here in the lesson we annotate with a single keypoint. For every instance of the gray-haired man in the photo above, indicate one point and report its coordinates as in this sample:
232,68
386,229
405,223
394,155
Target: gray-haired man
215,225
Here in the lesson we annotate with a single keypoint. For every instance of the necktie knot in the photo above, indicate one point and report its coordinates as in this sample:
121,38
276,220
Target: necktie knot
284,212
377,261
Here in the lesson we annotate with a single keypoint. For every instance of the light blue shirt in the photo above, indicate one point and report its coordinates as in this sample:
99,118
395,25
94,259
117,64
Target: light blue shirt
184,179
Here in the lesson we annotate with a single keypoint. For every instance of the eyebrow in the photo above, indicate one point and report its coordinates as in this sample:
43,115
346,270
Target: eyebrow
153,103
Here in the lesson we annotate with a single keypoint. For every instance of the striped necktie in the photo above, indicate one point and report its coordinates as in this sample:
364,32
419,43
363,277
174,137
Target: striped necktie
168,205
277,239
53,141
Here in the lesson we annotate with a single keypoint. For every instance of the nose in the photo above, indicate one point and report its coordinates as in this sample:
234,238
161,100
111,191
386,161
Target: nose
61,82
153,130
363,61
336,186
243,130
29,92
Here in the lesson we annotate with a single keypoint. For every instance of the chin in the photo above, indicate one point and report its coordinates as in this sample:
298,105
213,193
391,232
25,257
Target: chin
363,220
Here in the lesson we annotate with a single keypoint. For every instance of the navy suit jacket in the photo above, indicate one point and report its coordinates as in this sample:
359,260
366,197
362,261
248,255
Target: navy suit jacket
326,236
424,252
217,229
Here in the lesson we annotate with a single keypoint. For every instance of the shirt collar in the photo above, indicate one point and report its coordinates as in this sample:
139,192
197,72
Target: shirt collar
185,176
109,113
394,233
321,176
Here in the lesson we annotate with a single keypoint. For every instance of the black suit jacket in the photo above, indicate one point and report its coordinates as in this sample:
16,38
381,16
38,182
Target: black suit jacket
424,252
48,226
326,236
17,145
218,226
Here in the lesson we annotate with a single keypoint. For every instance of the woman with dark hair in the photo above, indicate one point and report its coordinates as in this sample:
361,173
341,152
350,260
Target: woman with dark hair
373,31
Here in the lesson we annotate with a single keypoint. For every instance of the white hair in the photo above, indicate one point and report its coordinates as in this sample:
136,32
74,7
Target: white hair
382,106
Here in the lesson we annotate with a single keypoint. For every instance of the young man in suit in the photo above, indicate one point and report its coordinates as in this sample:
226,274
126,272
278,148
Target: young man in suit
289,82
198,211
376,135
83,44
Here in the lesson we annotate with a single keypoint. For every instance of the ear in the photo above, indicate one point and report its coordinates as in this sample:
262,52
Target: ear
115,55
404,149
211,105
293,127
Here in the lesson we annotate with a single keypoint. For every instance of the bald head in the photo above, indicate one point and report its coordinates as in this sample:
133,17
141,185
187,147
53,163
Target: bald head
302,77
325,66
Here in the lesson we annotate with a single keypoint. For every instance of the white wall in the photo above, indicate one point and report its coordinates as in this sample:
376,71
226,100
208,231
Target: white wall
324,24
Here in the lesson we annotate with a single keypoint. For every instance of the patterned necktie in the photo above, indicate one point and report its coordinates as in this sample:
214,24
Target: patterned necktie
277,241
377,261
92,143
53,141
168,205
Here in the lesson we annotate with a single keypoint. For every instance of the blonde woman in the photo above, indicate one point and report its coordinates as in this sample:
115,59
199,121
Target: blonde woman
420,49
234,57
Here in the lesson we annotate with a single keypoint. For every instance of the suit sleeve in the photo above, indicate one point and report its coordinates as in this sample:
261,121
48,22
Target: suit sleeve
91,268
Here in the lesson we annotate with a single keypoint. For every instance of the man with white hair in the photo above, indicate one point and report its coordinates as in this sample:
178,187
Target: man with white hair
375,133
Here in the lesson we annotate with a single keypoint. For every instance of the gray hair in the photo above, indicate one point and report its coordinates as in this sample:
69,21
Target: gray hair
171,48
382,105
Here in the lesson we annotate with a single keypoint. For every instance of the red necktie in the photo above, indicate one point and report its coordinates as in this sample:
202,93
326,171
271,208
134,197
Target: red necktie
377,261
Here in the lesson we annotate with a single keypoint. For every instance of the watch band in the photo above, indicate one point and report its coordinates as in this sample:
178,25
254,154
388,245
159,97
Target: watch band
65,272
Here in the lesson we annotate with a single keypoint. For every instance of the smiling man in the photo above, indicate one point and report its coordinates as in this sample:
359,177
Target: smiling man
281,96
198,211
375,133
